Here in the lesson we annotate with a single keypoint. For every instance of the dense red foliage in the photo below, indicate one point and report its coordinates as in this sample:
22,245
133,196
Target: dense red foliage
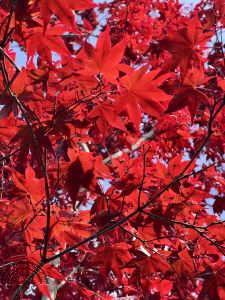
112,142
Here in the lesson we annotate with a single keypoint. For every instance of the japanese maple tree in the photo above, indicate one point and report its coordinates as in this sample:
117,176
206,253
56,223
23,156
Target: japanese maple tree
112,148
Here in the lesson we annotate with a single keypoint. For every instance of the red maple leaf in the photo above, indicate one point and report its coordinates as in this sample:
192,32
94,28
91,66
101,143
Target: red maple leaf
186,45
103,59
190,94
149,264
112,258
106,115
34,229
45,44
140,90
184,266
84,172
21,211
219,204
213,285
29,185
59,8
63,10
70,231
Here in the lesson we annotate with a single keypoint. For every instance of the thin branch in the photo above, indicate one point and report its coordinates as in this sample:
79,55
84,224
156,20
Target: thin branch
27,281
10,59
162,219
147,136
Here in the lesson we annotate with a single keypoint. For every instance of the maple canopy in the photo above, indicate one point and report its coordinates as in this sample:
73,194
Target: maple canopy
112,148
